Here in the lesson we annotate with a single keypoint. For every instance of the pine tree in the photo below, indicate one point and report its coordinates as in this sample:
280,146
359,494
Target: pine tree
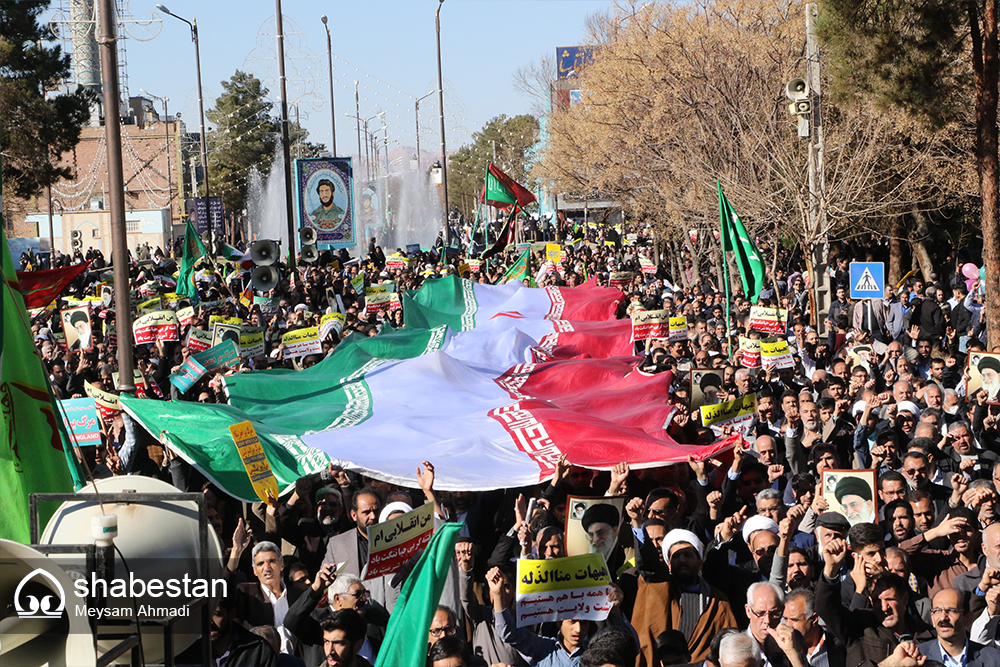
34,130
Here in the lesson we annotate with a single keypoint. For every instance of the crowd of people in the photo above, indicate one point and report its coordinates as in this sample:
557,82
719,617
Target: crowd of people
735,561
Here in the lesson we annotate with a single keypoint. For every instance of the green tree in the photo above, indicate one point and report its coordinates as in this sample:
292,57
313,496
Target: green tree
927,57
506,142
245,137
299,144
35,130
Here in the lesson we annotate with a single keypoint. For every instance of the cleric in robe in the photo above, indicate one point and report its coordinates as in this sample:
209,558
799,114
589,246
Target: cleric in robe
327,211
856,497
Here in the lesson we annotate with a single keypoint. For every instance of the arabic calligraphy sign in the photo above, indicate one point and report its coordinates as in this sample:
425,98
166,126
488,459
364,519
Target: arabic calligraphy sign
576,587
80,418
254,460
395,541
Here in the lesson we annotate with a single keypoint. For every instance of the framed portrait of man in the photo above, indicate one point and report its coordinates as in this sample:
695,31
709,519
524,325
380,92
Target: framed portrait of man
852,493
593,525
706,384
984,373
77,327
325,200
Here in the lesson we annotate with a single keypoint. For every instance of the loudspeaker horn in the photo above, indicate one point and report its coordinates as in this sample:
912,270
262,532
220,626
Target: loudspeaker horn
264,278
797,89
307,236
309,254
264,253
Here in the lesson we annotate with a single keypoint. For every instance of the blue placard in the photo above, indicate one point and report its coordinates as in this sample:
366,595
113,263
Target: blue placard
867,280
80,418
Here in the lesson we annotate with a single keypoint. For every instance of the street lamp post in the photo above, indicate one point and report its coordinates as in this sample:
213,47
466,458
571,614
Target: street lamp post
333,115
368,135
193,24
166,137
416,119
444,151
285,144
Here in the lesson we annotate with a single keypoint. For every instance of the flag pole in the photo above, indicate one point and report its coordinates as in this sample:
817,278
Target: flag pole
725,269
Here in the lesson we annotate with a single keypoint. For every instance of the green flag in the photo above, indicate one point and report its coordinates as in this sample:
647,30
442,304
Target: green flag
34,454
194,249
735,238
406,637
518,270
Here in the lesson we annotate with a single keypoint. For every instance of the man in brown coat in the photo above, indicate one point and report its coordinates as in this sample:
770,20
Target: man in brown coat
683,602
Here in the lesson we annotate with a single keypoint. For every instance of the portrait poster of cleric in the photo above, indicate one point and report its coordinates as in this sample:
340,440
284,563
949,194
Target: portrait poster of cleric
325,199
592,525
77,327
851,493
984,373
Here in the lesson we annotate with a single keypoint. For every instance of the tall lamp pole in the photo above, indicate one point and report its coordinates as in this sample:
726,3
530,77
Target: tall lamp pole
116,192
285,144
166,137
416,119
193,24
333,115
444,151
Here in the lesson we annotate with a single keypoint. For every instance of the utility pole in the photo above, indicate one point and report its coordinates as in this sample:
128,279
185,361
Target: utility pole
285,147
444,150
357,114
820,250
116,193
333,114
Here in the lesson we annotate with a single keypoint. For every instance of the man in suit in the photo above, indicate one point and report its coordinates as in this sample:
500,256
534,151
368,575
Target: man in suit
950,615
266,601
352,547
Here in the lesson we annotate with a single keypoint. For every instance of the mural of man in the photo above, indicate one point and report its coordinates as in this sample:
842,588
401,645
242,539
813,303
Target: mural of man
327,211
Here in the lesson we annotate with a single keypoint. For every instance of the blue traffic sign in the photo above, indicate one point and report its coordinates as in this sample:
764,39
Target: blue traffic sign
867,280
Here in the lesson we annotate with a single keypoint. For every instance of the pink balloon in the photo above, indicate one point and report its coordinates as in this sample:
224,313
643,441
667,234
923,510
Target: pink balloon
970,271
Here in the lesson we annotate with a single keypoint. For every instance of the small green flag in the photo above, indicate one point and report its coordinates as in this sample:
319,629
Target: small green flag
405,641
518,270
735,238
35,456
194,250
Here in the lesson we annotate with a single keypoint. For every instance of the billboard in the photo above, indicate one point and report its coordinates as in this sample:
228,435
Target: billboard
325,199
195,208
571,59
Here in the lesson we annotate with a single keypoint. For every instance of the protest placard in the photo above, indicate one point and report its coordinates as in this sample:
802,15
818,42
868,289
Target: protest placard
255,461
774,354
852,494
474,265
393,542
198,340
171,300
79,416
358,283
577,587
378,302
647,265
553,252
650,324
269,305
382,288
149,306
77,328
222,319
620,279
737,413
412,249
395,261
105,401
222,331
749,352
330,322
678,328
219,356
582,516
187,375
185,315
768,320
302,342
251,341
157,325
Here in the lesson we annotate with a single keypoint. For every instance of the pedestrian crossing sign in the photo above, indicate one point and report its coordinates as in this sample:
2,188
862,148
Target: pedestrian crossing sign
867,280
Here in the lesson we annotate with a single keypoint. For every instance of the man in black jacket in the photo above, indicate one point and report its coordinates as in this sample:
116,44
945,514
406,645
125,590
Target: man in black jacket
869,635
233,646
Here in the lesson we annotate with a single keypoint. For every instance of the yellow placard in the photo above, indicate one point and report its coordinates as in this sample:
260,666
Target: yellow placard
728,411
560,574
254,460
553,252
213,319
149,306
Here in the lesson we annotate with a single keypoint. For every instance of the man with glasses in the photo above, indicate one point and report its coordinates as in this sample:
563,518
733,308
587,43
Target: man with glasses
764,607
444,624
950,615
964,453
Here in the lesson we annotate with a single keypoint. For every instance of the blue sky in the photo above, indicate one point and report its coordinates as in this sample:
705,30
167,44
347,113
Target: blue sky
387,45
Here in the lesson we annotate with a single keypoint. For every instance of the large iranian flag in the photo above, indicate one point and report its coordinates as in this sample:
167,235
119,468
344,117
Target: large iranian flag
492,406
